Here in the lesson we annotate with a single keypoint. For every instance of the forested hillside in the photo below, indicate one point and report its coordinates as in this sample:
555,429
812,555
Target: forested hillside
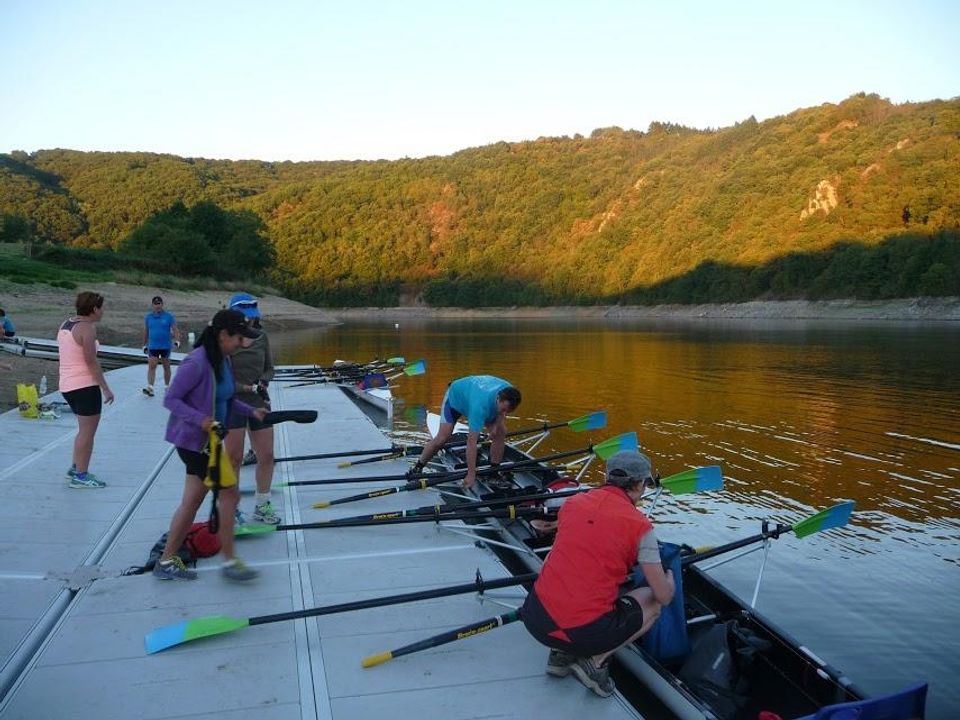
860,199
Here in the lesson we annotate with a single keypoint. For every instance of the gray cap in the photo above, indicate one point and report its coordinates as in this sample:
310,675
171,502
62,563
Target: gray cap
628,467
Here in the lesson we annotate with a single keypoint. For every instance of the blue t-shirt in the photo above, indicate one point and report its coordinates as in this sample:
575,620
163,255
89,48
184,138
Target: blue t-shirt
223,393
8,326
475,397
159,326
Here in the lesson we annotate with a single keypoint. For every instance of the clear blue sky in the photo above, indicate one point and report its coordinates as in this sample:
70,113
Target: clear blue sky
345,79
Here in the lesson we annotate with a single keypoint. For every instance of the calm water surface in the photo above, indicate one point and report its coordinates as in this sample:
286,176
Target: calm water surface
799,415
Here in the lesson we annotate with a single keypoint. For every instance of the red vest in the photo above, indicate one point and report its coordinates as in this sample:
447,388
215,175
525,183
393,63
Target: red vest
595,548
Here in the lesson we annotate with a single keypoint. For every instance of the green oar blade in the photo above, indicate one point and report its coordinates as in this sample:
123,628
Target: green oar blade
416,368
181,632
399,360
832,517
593,421
244,529
701,479
626,441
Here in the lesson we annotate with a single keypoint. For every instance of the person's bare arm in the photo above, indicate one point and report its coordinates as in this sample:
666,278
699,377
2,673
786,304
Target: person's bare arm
86,335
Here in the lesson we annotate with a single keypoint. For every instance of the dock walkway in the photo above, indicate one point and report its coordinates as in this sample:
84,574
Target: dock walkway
72,627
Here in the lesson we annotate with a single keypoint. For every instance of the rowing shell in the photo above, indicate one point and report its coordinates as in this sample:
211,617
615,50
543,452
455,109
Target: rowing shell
783,677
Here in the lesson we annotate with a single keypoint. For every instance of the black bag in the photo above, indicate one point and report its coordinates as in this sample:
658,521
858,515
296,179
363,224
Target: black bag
156,552
717,667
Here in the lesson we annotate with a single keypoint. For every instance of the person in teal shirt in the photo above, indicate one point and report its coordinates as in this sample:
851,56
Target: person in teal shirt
9,330
484,400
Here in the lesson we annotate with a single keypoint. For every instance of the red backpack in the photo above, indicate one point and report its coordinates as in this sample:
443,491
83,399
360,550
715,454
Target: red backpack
201,542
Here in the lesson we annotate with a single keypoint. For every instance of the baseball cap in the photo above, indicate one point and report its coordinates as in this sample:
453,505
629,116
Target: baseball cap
156,300
627,468
245,303
234,322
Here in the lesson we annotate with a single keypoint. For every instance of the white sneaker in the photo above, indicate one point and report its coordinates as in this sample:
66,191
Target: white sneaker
148,391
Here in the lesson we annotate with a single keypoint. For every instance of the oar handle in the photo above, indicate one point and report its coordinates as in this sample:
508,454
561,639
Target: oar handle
479,585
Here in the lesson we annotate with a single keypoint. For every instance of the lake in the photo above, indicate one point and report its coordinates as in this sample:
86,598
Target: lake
799,414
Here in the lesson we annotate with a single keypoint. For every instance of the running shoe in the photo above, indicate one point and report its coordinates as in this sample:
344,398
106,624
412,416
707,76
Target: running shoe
238,571
173,569
264,513
86,480
560,663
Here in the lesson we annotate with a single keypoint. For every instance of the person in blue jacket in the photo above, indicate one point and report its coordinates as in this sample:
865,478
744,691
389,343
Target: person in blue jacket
201,396
484,400
9,329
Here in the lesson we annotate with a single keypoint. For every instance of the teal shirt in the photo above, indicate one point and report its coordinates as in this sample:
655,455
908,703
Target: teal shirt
475,397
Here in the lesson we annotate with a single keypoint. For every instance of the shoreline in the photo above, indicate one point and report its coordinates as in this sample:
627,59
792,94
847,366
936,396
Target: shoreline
945,309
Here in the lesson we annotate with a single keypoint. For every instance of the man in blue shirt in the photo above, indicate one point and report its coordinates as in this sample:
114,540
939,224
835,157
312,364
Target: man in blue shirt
9,330
160,333
484,400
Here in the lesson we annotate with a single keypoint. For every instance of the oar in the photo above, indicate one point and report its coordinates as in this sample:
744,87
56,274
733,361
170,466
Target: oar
297,416
415,368
590,421
400,517
626,441
189,630
832,517
346,453
460,633
699,479
511,506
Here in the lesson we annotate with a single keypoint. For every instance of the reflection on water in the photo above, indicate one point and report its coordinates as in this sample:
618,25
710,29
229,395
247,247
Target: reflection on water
799,414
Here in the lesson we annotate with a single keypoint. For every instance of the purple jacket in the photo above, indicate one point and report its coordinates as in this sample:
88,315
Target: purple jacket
190,400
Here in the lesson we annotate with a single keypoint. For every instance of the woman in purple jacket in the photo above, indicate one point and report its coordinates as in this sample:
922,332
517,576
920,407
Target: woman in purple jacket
200,396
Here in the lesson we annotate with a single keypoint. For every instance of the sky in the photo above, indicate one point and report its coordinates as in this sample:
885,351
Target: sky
378,79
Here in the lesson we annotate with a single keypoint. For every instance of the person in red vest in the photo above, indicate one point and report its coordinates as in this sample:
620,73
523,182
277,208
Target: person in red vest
575,607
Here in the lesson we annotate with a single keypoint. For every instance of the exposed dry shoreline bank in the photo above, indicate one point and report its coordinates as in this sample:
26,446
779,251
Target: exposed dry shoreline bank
932,309
39,310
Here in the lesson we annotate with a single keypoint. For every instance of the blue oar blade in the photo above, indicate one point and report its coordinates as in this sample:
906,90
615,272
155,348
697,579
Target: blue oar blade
181,632
626,441
833,517
416,368
701,479
593,421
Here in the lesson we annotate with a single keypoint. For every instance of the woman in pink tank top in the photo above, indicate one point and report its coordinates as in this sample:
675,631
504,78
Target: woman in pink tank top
81,382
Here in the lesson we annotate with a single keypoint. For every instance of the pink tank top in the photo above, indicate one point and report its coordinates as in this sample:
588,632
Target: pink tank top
74,371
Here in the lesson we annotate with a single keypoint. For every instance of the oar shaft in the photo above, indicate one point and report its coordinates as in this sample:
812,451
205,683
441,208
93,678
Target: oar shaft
736,544
402,519
347,453
461,633
478,586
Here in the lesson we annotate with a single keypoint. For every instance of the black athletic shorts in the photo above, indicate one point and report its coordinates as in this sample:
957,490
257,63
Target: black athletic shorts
242,421
196,462
607,632
163,353
85,401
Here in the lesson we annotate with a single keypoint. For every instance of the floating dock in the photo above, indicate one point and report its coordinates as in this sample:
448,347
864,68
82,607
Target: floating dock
72,626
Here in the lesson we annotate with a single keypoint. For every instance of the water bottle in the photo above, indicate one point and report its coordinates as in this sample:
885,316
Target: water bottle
43,385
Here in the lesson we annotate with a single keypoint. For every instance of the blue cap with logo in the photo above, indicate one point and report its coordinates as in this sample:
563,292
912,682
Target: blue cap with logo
245,303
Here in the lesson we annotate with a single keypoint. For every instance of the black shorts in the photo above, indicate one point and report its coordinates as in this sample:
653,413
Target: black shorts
607,632
237,421
196,462
162,353
85,401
